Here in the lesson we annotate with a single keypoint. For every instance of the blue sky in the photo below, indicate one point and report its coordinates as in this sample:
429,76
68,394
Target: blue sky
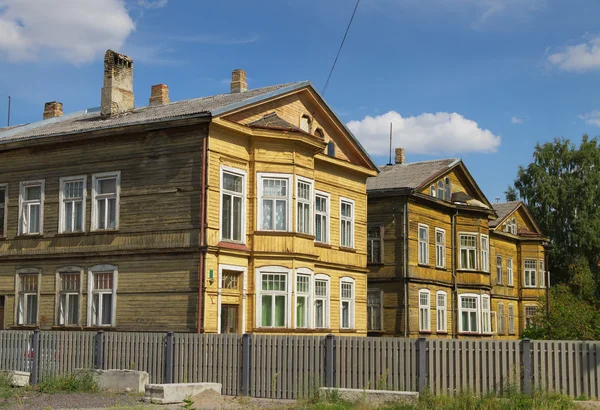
483,80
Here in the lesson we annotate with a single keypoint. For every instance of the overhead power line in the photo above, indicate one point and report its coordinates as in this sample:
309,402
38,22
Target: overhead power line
340,50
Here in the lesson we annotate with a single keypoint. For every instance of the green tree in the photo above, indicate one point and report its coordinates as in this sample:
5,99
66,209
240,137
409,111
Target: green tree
511,194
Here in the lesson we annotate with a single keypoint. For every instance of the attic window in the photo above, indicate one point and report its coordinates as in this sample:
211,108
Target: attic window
432,190
319,133
440,190
448,189
331,149
305,123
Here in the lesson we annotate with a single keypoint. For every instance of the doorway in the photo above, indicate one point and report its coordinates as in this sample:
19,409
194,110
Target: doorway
2,303
229,318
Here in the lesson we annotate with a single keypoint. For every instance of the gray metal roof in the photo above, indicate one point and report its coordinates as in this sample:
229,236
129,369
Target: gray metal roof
410,175
90,120
503,209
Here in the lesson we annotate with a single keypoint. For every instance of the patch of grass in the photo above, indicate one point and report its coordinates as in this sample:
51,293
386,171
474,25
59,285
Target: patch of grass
80,383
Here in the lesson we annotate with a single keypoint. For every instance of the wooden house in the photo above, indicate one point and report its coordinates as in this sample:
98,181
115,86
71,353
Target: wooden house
443,261
239,212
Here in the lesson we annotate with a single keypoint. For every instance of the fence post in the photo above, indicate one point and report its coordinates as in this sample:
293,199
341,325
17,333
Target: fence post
246,341
526,343
100,349
329,360
421,363
35,360
169,358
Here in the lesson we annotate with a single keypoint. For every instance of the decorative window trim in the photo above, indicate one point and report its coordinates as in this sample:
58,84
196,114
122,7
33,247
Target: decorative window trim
501,317
370,258
352,304
22,186
477,312
91,272
423,258
352,221
460,247
529,273
310,202
244,275
58,286
4,233
259,189
432,190
509,272
447,189
511,319
238,172
486,315
309,121
259,292
327,298
326,214
499,273
95,178
485,252
310,297
441,311
541,274
61,202
379,327
425,311
441,248
19,274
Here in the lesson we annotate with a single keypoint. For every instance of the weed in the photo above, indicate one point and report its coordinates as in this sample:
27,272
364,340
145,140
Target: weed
188,403
80,383
381,382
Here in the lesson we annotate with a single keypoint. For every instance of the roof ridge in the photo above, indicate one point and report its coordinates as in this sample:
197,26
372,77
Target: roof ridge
428,161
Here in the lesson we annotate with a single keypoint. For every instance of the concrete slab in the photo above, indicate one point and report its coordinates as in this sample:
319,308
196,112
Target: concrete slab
17,378
375,397
177,392
119,380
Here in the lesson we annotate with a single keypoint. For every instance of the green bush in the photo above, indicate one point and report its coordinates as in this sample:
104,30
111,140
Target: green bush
80,383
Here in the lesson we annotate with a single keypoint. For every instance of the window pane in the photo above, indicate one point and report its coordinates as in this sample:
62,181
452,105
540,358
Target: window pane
473,316
33,193
237,219
345,314
106,314
34,218
73,311
318,228
279,311
2,232
226,217
112,213
232,182
267,310
280,216
69,216
107,186
267,214
2,196
101,214
319,313
78,216
301,311
31,301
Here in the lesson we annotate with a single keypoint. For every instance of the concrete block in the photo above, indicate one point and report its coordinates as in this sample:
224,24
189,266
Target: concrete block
17,378
177,392
119,380
374,397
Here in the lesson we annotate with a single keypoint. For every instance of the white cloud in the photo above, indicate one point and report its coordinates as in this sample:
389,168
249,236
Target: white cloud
592,118
152,4
75,30
516,120
428,133
579,57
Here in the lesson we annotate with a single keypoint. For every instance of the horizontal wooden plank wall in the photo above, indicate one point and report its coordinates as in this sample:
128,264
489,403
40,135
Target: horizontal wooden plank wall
63,352
15,350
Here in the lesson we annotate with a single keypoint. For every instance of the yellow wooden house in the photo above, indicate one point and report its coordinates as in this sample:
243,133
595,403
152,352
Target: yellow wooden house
441,262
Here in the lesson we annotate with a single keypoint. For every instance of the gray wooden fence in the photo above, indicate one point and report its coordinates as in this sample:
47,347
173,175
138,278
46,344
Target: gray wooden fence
290,367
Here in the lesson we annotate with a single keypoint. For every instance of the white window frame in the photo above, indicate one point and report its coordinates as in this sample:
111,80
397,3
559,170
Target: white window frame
542,274
308,314
92,271
447,189
346,219
424,311
527,318
486,315
305,122
485,253
509,272
469,249
511,319
243,174
20,304
423,246
23,203
501,328
529,273
324,215
371,308
499,270
243,272
440,249
326,300
95,197
432,190
352,302
305,202
277,270
60,310
260,176
62,200
477,313
5,207
441,311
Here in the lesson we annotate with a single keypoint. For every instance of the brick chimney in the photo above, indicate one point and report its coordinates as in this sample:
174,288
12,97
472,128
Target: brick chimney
159,95
117,93
238,81
53,109
400,156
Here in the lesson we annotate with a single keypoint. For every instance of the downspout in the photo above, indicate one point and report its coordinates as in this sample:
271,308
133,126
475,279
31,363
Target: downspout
546,273
202,263
455,295
405,223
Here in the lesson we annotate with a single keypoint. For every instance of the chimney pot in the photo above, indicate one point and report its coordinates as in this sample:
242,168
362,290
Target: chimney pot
117,93
238,81
400,159
53,109
159,95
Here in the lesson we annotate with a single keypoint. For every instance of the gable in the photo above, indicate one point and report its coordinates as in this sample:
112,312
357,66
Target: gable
460,181
523,219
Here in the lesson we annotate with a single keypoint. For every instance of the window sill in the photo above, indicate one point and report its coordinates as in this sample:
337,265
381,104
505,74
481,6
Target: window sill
71,233
348,330
103,231
67,327
424,265
29,236
471,334
233,245
289,330
98,328
323,245
375,263
424,332
440,332
377,332
441,268
25,327
343,248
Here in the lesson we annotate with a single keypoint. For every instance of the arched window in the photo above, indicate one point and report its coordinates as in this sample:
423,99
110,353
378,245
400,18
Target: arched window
305,123
440,189
448,189
319,133
331,149
432,190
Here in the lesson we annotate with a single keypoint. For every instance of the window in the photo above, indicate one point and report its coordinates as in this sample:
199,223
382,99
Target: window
28,297
424,311
346,223
72,204
305,123
509,271
530,273
319,133
440,248
448,188
106,189
542,274
511,319
486,319
513,226
469,313
321,301
530,313
233,205
31,208
432,190
347,303
374,245
274,212
423,244
374,310
3,207
304,199
468,250
499,269
322,217
485,252
273,297
501,319
102,295
69,285
440,189
442,318
331,149
303,302
230,279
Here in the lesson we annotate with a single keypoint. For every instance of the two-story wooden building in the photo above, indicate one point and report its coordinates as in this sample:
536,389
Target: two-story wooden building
240,212
441,259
